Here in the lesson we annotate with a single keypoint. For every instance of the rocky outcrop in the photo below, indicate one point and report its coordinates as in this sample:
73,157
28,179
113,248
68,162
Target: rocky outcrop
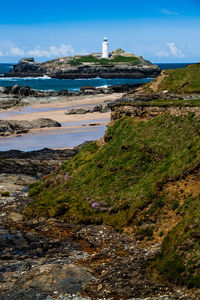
137,104
121,71
149,112
141,69
34,163
8,101
17,95
11,96
36,265
135,96
82,111
28,65
11,127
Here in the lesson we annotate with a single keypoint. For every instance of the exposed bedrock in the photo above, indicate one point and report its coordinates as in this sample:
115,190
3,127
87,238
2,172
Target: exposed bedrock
141,69
34,163
151,111
15,95
12,126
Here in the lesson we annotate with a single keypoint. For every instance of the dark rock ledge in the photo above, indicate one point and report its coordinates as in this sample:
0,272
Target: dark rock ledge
33,163
18,127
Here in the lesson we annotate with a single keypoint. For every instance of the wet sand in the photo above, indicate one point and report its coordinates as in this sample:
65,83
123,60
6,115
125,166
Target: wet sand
75,128
56,110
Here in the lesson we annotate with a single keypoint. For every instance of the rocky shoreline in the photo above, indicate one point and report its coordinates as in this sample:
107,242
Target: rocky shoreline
33,163
28,67
20,95
50,259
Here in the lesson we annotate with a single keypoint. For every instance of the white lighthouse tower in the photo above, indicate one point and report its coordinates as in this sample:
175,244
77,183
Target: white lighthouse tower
105,48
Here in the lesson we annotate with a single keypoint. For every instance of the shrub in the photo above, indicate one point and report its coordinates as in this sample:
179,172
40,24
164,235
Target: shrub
5,194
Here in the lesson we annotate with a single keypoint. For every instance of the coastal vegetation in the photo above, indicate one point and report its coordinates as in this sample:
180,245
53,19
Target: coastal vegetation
179,258
5,194
143,178
103,61
179,81
147,177
162,103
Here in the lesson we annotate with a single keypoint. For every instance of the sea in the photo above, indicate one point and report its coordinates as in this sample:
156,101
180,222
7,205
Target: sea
46,83
59,138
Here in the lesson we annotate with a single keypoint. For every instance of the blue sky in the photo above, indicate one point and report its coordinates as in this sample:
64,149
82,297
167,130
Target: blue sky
161,31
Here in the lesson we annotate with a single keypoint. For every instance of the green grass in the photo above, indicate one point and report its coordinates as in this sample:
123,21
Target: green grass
180,256
124,176
93,59
184,80
161,103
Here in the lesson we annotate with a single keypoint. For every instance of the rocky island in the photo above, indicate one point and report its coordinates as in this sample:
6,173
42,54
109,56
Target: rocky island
119,64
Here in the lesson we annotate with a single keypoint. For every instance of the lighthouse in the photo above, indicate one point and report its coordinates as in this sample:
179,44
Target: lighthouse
105,48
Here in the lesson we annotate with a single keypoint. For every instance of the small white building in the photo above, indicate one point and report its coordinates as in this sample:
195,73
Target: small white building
105,48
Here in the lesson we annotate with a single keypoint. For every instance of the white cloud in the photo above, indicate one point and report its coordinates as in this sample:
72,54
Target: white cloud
171,50
174,50
53,51
169,13
14,51
163,53
63,50
38,52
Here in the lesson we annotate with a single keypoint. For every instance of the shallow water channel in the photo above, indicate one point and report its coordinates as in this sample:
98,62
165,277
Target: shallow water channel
71,133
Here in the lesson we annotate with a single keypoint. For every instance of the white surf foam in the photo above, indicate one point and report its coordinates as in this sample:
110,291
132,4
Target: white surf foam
24,78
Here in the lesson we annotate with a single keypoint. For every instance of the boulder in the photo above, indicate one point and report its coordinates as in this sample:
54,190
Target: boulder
43,122
86,88
14,126
24,91
97,108
4,89
105,109
14,90
63,93
7,101
50,279
77,111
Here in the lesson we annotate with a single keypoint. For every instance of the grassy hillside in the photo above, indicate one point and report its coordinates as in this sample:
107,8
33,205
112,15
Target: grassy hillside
179,260
185,80
112,183
145,177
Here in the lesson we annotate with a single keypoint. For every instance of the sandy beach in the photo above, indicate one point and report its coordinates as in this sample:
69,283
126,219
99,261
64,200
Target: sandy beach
56,109
76,128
